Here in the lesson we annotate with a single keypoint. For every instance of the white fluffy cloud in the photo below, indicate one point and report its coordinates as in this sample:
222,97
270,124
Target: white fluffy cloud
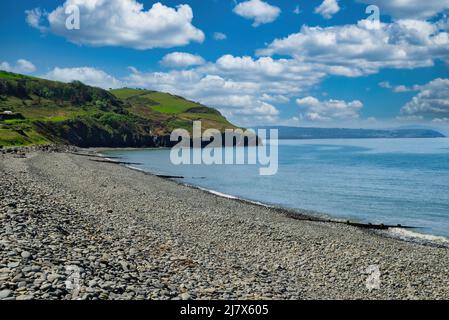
233,97
257,10
315,110
416,9
297,10
90,76
276,76
355,50
21,66
431,103
220,36
328,8
122,23
238,86
265,65
34,18
398,88
181,60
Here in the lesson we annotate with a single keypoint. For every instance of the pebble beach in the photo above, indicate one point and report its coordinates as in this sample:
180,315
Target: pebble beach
73,228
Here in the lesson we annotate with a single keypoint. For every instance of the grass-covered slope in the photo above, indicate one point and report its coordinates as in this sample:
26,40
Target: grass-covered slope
169,111
46,111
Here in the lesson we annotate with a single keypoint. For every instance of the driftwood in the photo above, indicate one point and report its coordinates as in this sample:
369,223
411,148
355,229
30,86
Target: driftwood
169,177
377,226
349,223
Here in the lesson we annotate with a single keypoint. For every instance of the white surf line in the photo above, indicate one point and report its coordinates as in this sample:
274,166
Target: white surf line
397,233
416,236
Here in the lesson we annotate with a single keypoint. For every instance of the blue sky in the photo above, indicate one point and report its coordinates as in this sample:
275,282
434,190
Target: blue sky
311,63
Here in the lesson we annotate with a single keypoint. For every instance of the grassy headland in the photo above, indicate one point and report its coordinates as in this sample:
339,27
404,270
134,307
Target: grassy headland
47,111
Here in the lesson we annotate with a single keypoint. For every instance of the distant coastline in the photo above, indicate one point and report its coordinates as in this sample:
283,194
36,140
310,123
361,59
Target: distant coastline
346,133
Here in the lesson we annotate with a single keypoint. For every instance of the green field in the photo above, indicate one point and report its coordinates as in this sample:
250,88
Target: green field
125,93
169,103
159,101
10,138
174,111
14,76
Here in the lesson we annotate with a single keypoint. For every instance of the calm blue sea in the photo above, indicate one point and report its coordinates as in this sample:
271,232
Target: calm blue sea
390,181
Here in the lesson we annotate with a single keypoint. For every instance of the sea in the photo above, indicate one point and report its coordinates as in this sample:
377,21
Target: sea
379,181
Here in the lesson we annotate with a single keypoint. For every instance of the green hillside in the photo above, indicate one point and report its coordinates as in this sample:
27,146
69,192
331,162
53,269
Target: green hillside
38,111
169,111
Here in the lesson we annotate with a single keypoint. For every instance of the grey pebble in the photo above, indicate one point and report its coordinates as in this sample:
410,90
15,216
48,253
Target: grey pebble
5,293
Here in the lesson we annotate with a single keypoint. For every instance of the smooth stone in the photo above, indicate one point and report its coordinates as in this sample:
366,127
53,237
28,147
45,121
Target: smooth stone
185,296
5,293
38,282
25,254
13,265
25,297
45,286
53,277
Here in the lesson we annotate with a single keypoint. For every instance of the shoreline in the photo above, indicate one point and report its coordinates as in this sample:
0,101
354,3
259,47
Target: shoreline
401,233
138,236
398,232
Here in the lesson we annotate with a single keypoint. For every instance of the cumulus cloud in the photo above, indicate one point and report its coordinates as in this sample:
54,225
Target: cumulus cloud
241,86
220,36
122,23
34,18
297,10
315,110
328,8
21,66
275,98
355,50
265,65
237,86
431,103
233,97
385,84
181,60
90,76
241,105
415,9
281,76
257,10
398,88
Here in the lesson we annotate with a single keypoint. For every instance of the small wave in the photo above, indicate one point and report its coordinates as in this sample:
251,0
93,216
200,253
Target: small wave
228,196
411,235
135,168
223,195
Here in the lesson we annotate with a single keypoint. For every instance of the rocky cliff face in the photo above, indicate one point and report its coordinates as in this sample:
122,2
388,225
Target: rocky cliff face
82,134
